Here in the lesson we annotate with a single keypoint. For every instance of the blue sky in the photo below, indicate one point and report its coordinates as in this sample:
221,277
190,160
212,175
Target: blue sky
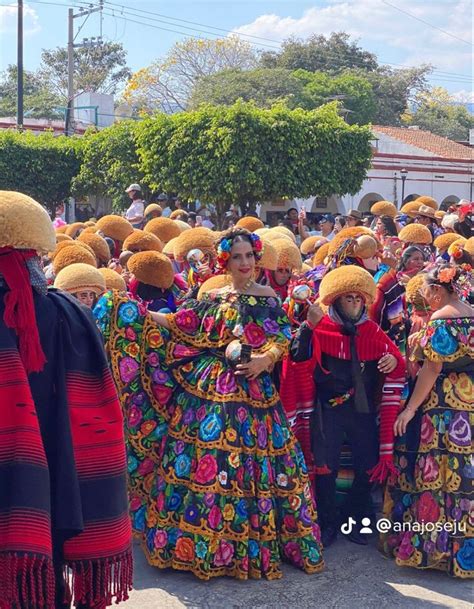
434,31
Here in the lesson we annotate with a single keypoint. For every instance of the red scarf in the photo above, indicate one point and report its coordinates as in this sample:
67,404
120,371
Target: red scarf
19,306
281,290
298,390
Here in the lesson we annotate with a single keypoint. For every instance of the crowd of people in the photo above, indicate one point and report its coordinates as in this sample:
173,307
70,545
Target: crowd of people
232,399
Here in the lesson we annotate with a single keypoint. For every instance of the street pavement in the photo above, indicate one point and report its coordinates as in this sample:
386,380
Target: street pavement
355,577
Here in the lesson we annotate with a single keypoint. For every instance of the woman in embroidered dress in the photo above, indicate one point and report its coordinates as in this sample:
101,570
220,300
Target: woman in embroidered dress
223,489
434,486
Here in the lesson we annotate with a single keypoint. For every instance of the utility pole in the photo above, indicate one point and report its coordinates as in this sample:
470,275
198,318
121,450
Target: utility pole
19,112
70,71
69,122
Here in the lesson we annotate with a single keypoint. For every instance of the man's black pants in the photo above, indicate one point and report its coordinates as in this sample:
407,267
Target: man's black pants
362,435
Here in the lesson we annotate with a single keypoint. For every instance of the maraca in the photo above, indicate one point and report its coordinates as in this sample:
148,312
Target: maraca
195,258
301,293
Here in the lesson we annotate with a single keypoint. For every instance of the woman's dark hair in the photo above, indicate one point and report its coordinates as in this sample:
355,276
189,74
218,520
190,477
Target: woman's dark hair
111,244
407,254
236,234
389,225
433,277
149,292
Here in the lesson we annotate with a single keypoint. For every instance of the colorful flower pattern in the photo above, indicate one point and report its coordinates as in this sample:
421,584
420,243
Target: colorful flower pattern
229,492
135,348
441,488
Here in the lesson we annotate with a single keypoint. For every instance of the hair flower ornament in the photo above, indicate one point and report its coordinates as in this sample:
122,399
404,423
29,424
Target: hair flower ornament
224,246
447,275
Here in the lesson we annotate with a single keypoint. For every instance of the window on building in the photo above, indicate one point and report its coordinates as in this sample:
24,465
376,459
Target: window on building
320,203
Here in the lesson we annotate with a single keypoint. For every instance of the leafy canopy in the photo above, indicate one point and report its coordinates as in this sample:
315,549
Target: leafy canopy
38,100
41,166
109,163
243,154
297,89
436,111
102,68
166,85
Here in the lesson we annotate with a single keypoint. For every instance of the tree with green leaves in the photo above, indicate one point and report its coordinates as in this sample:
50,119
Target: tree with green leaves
334,54
109,163
102,68
358,104
263,86
298,89
38,100
436,111
42,166
395,90
166,85
243,154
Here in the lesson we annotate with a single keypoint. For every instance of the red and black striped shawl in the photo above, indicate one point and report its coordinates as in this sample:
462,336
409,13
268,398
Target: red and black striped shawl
63,502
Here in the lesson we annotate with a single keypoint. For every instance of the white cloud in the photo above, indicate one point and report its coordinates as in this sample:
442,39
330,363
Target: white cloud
9,17
378,25
463,96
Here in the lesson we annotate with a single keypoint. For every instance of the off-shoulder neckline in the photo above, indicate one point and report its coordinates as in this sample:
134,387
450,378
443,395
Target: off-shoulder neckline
234,296
449,318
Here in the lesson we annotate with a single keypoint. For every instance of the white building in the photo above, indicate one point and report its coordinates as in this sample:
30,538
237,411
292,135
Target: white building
91,108
434,165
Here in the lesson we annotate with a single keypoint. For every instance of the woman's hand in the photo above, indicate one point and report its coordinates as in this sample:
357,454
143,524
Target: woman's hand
413,340
389,259
314,315
160,318
255,367
115,266
387,363
204,271
402,421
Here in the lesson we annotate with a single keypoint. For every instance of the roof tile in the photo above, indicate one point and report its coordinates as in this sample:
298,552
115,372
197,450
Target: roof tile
435,144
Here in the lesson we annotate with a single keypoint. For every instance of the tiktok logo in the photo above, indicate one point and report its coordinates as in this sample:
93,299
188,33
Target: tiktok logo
346,528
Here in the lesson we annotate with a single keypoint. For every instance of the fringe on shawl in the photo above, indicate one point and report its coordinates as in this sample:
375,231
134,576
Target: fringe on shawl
100,581
26,581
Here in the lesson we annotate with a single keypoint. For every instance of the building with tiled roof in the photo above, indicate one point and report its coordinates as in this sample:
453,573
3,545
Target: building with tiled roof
424,141
40,125
407,163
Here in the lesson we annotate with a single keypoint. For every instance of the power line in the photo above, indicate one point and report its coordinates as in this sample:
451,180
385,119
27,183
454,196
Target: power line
72,3
435,27
443,75
133,12
211,27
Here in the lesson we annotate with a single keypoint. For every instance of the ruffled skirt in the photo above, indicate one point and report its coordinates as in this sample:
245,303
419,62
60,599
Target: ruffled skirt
432,510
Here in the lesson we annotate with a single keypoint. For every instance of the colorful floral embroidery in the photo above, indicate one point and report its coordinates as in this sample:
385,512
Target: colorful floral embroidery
218,482
436,486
